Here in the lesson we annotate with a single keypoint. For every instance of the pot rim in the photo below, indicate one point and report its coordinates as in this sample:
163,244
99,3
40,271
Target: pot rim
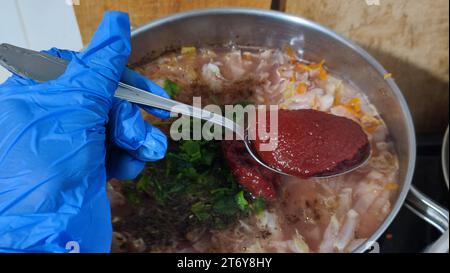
356,48
444,155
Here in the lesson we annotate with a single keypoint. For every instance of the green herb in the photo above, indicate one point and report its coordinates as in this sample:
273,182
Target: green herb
143,183
171,88
226,205
132,197
191,151
193,175
241,201
201,210
258,205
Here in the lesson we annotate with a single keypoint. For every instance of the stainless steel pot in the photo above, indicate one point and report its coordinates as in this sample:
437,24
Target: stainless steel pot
313,42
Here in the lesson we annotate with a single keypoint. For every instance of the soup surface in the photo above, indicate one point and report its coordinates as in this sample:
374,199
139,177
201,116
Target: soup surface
198,200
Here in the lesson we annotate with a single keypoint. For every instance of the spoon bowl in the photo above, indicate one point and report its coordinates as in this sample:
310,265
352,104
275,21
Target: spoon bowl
362,160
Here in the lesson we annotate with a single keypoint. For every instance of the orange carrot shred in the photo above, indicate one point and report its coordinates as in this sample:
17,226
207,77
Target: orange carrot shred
354,107
323,74
301,67
290,52
301,88
392,186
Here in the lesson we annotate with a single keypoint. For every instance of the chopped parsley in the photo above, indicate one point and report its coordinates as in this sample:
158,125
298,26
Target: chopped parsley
171,88
194,174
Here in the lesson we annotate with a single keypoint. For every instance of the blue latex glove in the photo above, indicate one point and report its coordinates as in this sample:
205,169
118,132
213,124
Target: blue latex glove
55,140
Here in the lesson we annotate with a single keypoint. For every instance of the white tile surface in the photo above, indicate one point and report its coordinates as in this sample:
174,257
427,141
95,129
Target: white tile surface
50,23
9,16
11,28
38,25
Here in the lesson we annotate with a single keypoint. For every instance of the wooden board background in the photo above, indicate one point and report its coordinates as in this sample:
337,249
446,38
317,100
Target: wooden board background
89,12
409,37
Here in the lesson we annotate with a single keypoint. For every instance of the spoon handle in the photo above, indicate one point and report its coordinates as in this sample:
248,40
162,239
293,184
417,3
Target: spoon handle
139,96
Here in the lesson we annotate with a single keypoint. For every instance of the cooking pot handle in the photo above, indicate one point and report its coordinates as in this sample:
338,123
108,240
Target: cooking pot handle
428,210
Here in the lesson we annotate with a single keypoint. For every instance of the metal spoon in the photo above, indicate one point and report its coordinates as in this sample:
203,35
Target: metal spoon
43,67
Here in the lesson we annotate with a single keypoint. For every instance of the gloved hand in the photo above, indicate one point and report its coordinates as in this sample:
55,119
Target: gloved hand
61,140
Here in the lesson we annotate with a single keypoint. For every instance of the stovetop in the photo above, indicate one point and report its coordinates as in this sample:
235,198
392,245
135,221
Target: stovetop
409,233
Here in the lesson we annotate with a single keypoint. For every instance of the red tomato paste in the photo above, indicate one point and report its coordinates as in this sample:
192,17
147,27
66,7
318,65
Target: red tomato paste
255,178
313,143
